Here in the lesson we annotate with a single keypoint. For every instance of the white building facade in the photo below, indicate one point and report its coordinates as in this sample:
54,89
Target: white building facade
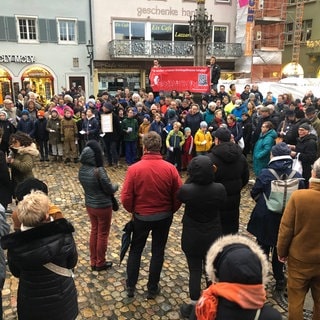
43,46
128,35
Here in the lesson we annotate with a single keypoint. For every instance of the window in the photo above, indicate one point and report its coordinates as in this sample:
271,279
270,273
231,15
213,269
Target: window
67,31
121,29
220,34
181,33
27,27
223,1
161,31
306,30
289,32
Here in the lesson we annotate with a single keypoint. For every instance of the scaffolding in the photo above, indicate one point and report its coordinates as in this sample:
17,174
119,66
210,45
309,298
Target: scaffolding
297,32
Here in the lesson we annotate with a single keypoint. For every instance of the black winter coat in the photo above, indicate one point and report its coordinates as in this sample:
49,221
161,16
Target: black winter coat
264,224
307,147
6,186
203,200
233,173
43,294
40,130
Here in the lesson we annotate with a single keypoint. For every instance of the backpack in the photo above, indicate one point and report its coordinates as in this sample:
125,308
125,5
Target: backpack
281,190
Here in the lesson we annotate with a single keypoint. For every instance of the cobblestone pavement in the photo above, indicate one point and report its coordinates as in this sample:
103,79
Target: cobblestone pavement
102,295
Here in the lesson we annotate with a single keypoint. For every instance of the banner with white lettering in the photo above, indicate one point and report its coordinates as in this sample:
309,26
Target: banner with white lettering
194,79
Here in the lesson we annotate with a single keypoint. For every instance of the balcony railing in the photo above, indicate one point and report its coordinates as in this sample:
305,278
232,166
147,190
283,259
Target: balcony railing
169,49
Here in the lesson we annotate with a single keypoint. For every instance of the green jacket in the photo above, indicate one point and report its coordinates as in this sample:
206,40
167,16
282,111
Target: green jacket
130,123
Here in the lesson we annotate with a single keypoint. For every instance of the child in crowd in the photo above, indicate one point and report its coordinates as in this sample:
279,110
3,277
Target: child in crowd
203,139
41,135
174,142
53,127
143,129
187,148
69,136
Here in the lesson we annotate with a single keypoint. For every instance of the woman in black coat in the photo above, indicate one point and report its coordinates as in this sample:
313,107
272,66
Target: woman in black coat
6,189
42,256
233,172
203,200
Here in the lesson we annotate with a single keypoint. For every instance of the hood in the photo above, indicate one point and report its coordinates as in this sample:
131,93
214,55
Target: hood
32,150
280,163
200,170
88,157
227,151
237,259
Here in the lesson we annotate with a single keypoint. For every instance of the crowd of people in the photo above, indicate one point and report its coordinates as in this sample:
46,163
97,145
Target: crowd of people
160,136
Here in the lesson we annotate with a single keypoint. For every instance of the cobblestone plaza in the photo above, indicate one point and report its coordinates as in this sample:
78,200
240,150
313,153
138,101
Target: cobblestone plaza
102,295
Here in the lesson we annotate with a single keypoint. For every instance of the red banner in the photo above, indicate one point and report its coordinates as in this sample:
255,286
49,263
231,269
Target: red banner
194,79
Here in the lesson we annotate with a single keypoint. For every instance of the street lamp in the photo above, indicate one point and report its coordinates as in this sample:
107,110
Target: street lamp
200,28
90,56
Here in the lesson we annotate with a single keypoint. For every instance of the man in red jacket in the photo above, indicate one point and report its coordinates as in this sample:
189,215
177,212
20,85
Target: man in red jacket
150,194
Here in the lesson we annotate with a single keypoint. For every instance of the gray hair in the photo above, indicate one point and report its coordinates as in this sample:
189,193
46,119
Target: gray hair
316,168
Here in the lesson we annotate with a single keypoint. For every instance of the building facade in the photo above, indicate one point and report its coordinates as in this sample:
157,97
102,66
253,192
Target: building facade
309,37
129,35
43,46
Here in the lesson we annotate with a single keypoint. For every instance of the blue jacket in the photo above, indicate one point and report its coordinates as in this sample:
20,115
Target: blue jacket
26,126
238,111
264,224
262,149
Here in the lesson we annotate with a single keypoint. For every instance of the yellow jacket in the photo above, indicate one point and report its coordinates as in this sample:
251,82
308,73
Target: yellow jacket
201,136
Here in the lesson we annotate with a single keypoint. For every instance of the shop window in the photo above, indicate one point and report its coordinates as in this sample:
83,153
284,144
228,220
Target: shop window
122,30
67,31
5,84
39,80
181,32
161,31
220,34
27,29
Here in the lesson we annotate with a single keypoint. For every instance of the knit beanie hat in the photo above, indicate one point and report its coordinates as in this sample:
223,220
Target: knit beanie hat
305,126
280,149
203,124
24,112
3,112
223,134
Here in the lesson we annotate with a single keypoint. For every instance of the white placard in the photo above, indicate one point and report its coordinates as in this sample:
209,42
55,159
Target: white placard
106,123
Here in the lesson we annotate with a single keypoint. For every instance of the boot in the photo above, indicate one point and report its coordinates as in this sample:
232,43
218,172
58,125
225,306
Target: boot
46,158
59,158
55,158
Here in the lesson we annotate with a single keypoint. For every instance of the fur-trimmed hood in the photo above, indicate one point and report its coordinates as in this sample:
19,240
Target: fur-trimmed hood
32,150
251,263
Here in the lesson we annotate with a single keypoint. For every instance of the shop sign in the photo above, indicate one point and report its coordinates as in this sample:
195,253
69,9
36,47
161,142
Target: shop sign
17,58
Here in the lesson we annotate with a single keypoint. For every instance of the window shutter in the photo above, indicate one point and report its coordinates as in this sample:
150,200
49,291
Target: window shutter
43,34
11,29
2,29
52,31
81,32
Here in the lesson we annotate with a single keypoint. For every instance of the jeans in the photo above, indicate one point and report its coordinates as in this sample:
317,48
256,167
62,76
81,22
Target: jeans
43,145
160,231
174,157
131,151
100,219
111,152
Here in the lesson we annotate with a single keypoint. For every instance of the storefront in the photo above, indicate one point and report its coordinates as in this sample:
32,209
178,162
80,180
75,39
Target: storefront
39,80
5,84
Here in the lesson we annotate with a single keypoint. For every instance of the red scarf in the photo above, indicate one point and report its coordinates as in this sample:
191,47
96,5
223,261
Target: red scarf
247,296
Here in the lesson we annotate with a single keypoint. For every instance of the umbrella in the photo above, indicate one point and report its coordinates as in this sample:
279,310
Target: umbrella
126,239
